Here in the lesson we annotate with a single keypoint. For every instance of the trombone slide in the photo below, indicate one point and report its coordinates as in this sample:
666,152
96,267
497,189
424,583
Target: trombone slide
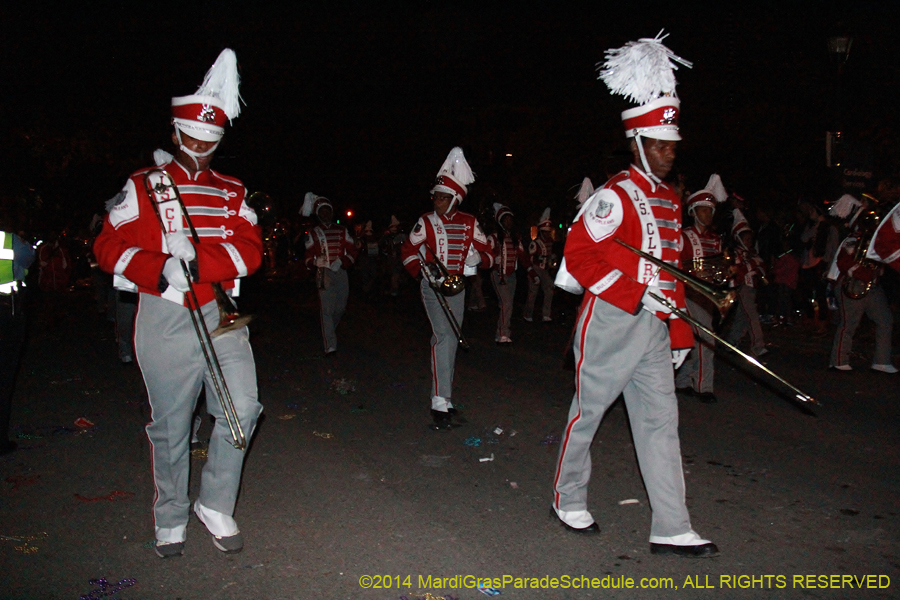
798,394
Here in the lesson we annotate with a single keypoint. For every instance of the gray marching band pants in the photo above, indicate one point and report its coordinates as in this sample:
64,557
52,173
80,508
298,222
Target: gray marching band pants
746,317
505,295
443,343
546,284
698,371
332,304
875,306
173,367
618,353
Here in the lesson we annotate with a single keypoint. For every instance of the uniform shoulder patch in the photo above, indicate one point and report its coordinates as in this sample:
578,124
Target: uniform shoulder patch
603,214
115,201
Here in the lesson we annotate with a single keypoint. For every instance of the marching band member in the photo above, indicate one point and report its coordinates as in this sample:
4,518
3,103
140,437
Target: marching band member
132,247
540,250
695,377
508,251
626,338
330,250
456,240
859,293
750,273
391,242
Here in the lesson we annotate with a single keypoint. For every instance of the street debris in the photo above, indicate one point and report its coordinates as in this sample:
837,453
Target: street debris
326,436
487,459
473,441
343,386
105,589
629,501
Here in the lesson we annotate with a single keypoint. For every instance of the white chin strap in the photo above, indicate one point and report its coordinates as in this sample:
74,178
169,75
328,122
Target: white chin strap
195,155
640,144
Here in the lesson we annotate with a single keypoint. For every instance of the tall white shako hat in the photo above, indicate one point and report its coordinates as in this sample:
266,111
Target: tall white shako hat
453,177
545,224
312,204
643,72
202,115
500,211
714,193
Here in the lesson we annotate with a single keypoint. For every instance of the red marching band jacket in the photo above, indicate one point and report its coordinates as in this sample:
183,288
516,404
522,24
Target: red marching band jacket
698,245
452,239
540,252
132,244
632,208
333,242
509,255
749,267
885,244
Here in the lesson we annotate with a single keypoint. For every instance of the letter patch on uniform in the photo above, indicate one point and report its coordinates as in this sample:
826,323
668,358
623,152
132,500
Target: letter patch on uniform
603,214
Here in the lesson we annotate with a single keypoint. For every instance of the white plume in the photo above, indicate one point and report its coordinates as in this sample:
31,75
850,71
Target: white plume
585,192
161,157
844,206
308,201
715,187
497,207
545,216
457,167
222,81
641,71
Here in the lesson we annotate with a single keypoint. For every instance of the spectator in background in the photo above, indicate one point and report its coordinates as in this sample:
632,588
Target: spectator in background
814,237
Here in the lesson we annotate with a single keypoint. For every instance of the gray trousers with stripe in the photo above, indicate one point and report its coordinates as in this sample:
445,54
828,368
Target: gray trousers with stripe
617,353
506,294
875,306
174,370
443,342
698,371
746,318
332,304
545,284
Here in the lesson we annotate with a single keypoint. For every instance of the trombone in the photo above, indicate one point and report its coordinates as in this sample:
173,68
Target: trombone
164,190
723,301
452,285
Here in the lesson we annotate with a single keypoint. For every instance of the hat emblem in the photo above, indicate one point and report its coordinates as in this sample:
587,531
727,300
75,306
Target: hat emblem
668,116
207,114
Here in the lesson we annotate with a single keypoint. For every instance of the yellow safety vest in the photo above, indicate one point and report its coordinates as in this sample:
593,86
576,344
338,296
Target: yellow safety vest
8,283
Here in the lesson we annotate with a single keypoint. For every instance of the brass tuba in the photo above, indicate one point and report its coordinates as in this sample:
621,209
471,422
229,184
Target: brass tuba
722,297
867,223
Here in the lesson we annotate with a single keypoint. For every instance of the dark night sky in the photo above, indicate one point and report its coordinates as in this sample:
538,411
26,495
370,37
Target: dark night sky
362,102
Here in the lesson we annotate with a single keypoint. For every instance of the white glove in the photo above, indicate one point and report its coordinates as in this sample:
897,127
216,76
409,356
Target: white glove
174,274
652,304
678,357
336,265
180,246
322,262
473,258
